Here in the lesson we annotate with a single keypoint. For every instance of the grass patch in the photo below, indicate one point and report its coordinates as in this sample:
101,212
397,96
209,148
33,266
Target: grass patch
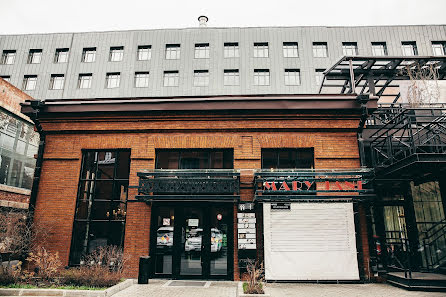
245,287
28,286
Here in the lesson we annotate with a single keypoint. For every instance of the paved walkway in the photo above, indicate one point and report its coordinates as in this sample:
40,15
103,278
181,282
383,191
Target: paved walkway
229,289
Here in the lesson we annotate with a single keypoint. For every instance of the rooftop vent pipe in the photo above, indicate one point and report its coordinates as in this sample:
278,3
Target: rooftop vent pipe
202,19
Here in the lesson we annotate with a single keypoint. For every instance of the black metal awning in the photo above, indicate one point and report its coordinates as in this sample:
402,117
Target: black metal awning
376,75
313,185
222,185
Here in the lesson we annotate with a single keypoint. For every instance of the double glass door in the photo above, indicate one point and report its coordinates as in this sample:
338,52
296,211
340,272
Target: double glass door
192,240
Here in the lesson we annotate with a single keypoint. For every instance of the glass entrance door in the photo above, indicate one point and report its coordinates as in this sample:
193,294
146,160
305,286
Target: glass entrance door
192,240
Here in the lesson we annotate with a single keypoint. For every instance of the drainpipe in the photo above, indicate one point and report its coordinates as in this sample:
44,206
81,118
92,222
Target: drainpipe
37,105
362,99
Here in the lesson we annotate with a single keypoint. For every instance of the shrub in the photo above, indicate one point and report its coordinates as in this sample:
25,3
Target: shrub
93,276
47,264
110,256
6,278
254,278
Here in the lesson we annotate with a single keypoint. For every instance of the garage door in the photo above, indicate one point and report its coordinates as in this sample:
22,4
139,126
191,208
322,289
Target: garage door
310,241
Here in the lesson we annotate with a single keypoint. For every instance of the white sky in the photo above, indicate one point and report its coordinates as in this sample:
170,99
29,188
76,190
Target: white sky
43,16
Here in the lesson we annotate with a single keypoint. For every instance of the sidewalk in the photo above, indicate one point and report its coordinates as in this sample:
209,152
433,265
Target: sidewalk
158,287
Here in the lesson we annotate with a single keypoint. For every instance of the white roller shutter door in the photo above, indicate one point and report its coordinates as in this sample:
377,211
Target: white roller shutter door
311,241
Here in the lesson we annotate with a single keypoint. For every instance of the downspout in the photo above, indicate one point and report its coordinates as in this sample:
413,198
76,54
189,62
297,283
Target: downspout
37,105
362,99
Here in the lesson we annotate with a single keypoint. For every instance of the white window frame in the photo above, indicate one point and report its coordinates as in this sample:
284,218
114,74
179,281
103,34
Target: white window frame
201,51
141,79
409,48
88,55
379,49
6,78
350,48
439,48
292,77
231,77
319,76
84,81
57,82
61,55
231,50
29,82
201,78
173,51
320,49
290,50
35,56
116,54
144,53
261,50
261,77
8,57
171,78
112,80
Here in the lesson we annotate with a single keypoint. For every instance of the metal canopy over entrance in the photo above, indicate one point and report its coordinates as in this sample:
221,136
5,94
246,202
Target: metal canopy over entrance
376,75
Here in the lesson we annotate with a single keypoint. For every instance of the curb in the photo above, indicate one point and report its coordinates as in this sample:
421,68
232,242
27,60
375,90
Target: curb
69,293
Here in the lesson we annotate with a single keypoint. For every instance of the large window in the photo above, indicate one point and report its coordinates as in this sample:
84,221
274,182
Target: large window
34,56
231,50
29,82
116,53
88,54
18,145
439,48
290,50
349,48
302,158
84,81
201,78
57,81
171,78
144,52
173,51
202,51
379,48
101,202
261,77
8,57
112,80
231,77
320,49
292,77
261,50
409,48
61,55
141,79
195,159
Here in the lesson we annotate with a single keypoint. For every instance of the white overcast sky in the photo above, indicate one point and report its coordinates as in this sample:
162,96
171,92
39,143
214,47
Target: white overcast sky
45,16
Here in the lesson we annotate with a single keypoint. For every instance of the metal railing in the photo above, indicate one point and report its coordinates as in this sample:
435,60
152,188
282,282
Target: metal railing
398,254
407,132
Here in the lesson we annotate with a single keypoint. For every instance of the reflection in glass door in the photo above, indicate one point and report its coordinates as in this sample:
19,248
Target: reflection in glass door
219,221
164,240
192,242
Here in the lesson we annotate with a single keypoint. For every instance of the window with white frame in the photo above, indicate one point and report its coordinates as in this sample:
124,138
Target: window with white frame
8,57
261,50
171,78
409,48
439,48
6,78
141,79
261,77
292,77
202,51
116,53
57,81
231,50
89,54
173,51
34,56
61,55
320,49
201,78
84,81
349,48
144,52
231,77
379,49
29,82
112,80
290,50
319,76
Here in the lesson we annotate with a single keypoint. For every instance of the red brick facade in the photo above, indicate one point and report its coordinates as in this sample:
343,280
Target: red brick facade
332,136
